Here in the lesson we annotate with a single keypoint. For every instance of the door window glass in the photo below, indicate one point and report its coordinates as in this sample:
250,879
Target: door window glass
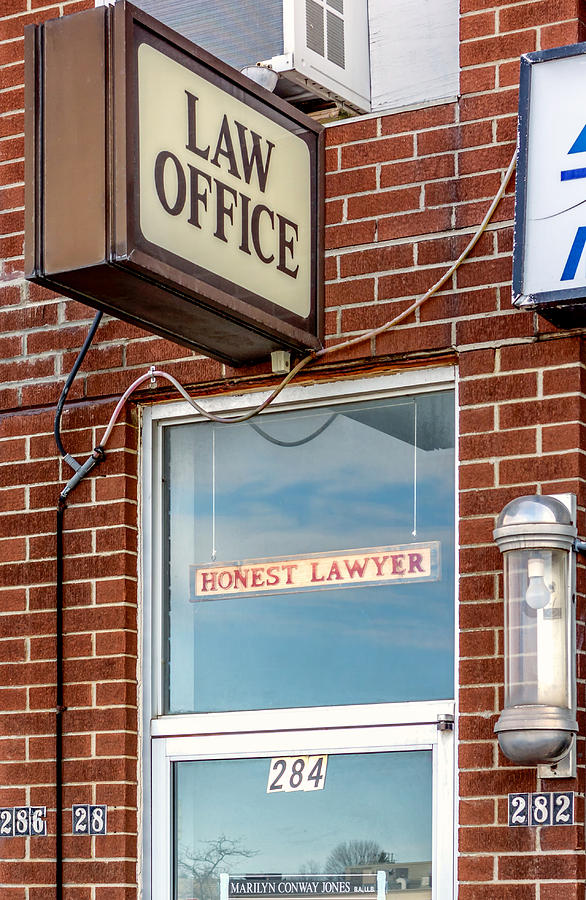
373,812
320,481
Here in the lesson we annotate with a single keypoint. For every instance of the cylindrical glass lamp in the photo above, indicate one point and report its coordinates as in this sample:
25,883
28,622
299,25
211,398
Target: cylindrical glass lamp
536,536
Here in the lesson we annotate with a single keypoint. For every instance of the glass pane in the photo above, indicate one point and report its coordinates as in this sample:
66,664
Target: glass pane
536,628
320,481
374,812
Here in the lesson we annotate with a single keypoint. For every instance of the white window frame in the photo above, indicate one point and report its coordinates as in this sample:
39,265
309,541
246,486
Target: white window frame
266,733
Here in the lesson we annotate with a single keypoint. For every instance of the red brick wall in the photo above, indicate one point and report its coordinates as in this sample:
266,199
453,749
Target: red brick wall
405,193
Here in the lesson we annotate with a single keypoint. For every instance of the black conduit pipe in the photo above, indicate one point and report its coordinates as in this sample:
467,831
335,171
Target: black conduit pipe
60,708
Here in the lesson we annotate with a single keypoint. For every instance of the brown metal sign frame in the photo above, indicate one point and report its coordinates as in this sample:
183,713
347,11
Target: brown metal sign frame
83,235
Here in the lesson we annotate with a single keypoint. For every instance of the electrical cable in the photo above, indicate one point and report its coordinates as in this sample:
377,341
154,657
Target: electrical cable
368,335
299,443
69,382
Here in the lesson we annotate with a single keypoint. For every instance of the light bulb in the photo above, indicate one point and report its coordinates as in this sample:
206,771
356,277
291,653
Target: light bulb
537,594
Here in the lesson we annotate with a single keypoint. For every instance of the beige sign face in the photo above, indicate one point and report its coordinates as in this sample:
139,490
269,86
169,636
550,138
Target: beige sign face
222,186
354,568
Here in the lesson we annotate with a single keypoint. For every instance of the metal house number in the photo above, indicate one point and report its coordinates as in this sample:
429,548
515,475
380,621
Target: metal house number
88,819
550,808
23,821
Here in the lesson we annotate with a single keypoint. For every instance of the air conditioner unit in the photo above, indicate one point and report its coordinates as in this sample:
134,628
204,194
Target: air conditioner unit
319,47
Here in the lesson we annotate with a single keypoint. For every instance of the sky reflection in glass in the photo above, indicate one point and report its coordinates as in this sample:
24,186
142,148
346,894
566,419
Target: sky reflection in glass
312,481
384,798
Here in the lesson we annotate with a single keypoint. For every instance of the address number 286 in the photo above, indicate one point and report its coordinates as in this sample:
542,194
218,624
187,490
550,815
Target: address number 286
297,773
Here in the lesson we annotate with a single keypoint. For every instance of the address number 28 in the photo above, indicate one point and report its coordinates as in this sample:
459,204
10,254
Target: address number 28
297,773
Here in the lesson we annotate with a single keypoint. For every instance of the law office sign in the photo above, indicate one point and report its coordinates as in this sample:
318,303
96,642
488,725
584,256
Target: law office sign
549,257
168,189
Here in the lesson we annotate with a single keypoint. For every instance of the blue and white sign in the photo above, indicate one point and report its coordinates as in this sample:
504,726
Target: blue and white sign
549,258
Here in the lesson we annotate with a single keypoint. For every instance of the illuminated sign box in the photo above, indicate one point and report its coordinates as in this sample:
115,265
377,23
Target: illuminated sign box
167,189
549,256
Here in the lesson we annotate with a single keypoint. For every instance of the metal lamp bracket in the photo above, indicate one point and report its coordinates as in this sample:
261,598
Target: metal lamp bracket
565,768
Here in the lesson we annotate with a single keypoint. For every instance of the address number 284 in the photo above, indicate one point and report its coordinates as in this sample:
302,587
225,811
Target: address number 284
297,773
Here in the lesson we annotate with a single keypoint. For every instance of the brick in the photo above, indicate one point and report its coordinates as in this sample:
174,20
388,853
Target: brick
409,224
448,249
505,443
475,420
564,33
477,812
383,150
332,159
438,141
480,25
541,866
449,306
352,131
379,259
367,317
367,205
417,119
481,78
470,214
564,381
560,891
349,235
478,643
496,892
440,193
491,49
481,615
565,465
417,170
350,182
535,14
477,362
496,103
519,415
508,74
12,699
334,212
501,327
408,284
476,475
537,354
355,291
426,337
478,755
562,437
498,388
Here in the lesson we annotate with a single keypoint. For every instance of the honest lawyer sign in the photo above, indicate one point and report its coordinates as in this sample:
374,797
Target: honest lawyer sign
165,187
353,568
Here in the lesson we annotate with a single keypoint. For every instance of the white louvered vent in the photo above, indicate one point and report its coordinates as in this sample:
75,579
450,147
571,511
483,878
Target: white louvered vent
326,49
324,29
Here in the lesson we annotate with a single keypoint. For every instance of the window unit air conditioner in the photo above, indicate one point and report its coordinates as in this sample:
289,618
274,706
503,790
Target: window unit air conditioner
319,47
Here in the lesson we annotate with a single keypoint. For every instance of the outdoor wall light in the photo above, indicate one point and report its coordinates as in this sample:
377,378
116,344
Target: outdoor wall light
263,75
537,538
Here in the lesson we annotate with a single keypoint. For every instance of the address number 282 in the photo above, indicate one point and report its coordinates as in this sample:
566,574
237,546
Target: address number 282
297,773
